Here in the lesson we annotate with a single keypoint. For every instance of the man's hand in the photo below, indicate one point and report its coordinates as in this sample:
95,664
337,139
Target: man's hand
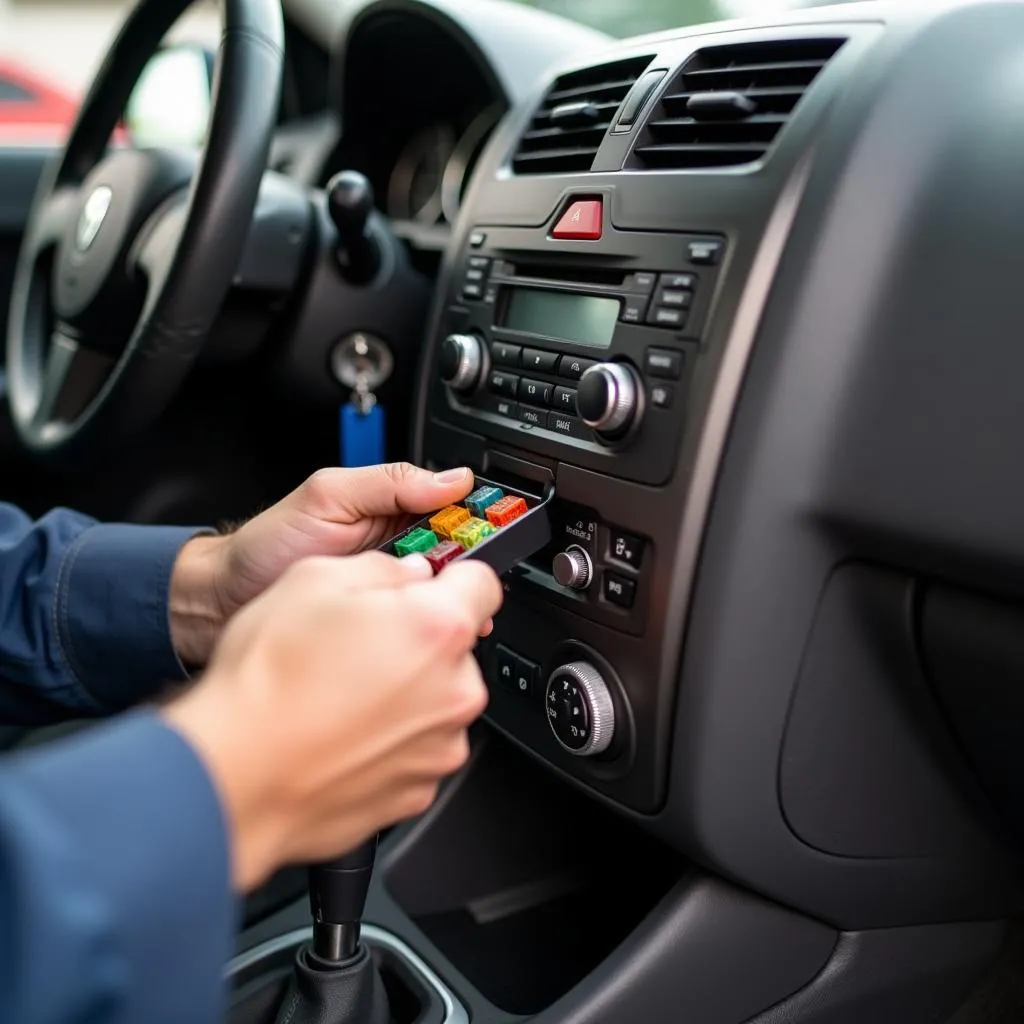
335,512
336,702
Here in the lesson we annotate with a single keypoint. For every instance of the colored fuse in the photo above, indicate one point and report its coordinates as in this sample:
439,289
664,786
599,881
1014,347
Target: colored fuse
481,499
415,543
472,532
443,522
503,512
444,553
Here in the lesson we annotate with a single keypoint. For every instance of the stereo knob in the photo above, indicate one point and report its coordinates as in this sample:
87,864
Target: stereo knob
572,568
608,397
462,361
580,709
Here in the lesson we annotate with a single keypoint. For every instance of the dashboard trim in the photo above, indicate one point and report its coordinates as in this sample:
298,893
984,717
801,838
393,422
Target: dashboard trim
725,393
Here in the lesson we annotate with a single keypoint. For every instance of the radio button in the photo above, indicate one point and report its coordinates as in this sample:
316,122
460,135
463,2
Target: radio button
683,282
643,281
538,361
664,362
569,426
679,299
574,368
665,316
502,383
618,590
565,399
705,251
535,416
536,392
633,309
506,354
661,396
501,406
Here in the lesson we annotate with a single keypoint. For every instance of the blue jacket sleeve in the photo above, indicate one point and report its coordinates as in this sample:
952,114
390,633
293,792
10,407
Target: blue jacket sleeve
115,897
84,626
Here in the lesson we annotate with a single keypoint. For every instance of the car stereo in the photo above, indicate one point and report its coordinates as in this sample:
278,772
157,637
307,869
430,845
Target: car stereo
587,359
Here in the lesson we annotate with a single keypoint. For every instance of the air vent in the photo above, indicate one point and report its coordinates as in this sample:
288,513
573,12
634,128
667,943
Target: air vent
729,103
568,129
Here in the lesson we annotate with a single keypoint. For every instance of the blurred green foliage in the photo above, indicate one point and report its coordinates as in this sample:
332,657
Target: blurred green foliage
632,17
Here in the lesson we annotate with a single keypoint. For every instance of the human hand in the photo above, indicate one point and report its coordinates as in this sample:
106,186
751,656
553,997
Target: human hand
336,702
335,512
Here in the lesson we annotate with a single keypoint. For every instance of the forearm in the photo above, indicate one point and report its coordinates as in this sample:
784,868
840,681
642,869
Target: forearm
110,843
84,615
196,609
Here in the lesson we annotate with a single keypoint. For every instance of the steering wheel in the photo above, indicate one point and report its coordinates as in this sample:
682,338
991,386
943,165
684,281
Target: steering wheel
129,255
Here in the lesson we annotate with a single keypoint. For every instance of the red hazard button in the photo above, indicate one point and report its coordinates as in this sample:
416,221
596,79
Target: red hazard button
582,220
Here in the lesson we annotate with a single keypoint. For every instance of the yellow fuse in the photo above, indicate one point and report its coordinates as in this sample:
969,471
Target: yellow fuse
472,532
443,523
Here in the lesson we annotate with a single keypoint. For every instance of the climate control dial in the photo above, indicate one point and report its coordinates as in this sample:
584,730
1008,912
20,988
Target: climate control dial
462,361
580,710
608,398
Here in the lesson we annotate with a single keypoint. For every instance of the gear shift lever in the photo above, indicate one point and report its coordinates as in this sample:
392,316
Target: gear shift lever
337,897
336,980
350,203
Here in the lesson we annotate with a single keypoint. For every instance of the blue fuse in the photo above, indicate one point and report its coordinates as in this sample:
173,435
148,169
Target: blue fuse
482,499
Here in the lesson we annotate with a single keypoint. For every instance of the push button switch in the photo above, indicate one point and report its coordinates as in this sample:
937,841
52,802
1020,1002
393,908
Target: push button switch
627,549
527,677
536,392
618,590
506,354
574,368
569,426
508,666
582,220
539,361
565,400
664,362
502,383
705,251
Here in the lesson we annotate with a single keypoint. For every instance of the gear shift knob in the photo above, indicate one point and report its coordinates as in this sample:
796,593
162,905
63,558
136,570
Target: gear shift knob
350,203
337,898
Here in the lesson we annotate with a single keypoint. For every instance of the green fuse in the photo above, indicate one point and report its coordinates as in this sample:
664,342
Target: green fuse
482,499
472,532
415,543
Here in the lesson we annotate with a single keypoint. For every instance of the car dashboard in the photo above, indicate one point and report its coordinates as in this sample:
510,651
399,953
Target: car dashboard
739,301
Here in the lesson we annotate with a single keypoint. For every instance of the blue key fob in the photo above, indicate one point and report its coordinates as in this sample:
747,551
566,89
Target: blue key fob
362,435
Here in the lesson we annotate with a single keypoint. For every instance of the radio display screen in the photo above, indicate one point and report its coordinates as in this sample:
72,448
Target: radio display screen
584,319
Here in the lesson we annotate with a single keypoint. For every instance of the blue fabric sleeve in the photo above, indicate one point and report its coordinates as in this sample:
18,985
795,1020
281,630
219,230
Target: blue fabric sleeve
115,897
84,618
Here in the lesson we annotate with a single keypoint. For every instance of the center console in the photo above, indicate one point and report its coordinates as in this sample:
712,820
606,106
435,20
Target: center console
574,343
589,339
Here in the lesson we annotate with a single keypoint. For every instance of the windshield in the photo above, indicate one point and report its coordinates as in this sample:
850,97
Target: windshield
634,17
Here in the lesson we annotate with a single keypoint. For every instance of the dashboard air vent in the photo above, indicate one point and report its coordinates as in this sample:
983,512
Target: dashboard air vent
568,129
728,103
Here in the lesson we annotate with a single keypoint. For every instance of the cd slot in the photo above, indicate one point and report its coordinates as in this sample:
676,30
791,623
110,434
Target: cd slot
575,274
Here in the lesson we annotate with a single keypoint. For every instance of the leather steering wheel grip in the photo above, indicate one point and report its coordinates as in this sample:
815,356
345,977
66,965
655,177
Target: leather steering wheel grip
204,231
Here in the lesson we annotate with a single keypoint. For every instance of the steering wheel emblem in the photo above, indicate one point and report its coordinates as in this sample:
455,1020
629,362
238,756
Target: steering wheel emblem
94,213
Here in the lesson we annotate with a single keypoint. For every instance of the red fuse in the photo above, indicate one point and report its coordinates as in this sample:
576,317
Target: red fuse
503,512
440,556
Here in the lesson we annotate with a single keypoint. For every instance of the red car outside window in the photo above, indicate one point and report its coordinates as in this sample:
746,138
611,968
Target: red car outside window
32,110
